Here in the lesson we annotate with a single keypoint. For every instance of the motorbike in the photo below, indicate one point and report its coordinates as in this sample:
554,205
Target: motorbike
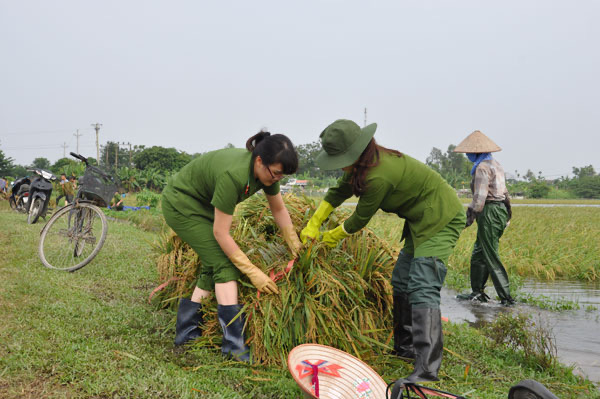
40,190
19,195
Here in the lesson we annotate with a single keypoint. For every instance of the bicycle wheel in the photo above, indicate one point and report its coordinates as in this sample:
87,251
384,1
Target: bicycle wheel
34,212
72,237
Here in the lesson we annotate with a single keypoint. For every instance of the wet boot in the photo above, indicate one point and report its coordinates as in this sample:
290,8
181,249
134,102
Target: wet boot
428,344
474,296
403,344
234,344
189,320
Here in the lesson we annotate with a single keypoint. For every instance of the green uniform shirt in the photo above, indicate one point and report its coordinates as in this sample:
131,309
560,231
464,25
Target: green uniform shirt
218,179
406,187
116,199
67,188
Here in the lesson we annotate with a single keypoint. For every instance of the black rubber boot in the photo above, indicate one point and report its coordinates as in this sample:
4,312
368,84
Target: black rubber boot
234,344
403,344
189,320
475,296
508,301
428,344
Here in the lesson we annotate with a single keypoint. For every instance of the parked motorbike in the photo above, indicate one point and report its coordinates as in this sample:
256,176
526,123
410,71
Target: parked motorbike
19,194
39,194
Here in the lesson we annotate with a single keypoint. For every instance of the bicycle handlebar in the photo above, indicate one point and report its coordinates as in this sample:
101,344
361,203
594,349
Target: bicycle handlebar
98,170
84,159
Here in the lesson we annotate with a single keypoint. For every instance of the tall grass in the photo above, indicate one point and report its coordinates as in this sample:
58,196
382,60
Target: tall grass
543,243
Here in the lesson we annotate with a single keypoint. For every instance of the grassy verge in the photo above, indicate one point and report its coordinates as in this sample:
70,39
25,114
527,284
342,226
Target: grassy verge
147,220
91,334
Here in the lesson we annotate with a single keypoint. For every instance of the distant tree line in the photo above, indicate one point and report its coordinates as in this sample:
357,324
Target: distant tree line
139,167
456,169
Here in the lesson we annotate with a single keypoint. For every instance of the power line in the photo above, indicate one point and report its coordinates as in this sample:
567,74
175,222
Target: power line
35,132
38,147
44,147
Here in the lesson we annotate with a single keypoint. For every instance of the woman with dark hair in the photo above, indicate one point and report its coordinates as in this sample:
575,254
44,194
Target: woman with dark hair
434,217
198,204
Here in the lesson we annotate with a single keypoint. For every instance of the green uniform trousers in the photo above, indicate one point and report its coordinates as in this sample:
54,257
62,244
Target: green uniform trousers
420,272
198,234
485,260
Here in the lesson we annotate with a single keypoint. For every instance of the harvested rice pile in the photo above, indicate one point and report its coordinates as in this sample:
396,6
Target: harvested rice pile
332,296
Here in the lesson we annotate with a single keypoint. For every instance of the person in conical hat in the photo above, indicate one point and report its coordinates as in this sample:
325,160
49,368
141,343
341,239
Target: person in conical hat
433,216
491,208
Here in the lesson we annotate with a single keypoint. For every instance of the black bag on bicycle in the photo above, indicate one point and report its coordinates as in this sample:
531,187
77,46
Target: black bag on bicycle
97,186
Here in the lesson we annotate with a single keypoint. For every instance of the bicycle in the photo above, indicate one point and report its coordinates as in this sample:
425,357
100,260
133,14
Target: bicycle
75,233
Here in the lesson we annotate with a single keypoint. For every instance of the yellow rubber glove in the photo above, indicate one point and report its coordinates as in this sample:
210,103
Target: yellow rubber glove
314,224
291,239
332,237
260,280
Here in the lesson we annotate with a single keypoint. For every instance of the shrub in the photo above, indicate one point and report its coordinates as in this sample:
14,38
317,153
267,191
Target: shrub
519,332
147,197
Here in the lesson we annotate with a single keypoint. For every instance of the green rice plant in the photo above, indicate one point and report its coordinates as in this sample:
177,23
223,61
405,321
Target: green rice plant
339,297
564,201
542,243
548,303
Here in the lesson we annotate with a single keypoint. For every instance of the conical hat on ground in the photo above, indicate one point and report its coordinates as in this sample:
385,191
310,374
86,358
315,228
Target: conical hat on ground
477,143
339,374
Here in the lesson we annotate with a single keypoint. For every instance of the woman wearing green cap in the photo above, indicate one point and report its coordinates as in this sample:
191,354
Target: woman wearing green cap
434,217
198,204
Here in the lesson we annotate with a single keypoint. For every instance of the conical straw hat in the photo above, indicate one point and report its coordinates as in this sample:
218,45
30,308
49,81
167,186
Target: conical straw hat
340,375
477,143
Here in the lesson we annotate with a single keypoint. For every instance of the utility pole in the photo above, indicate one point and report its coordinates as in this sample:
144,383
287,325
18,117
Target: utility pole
77,135
64,146
129,144
365,116
97,126
116,155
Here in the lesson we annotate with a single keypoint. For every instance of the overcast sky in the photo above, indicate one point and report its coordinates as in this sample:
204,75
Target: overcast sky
197,75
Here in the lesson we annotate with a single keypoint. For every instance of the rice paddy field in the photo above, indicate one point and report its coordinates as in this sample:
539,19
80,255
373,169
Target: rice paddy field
93,333
544,243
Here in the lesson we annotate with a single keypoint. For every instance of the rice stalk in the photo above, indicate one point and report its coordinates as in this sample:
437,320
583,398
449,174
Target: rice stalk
340,297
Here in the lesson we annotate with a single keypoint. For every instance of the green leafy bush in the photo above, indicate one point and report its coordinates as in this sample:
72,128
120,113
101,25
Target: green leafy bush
519,332
147,197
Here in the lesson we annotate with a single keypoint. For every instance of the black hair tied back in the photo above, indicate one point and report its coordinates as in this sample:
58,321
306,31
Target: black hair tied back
253,141
274,149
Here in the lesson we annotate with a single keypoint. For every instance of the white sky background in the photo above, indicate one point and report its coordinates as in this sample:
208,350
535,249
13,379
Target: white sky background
196,75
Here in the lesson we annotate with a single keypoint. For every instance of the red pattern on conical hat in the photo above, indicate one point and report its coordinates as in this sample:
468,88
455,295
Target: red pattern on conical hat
342,375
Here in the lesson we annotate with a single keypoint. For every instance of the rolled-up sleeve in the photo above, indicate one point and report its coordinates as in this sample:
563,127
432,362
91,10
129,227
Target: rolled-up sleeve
225,198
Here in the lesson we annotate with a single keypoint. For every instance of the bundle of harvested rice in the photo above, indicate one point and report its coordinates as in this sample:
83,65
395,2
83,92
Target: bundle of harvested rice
339,297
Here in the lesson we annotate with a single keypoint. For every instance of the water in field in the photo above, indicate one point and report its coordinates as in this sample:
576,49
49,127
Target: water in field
577,332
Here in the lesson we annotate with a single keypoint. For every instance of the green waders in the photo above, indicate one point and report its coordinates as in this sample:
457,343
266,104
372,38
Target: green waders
417,280
485,260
